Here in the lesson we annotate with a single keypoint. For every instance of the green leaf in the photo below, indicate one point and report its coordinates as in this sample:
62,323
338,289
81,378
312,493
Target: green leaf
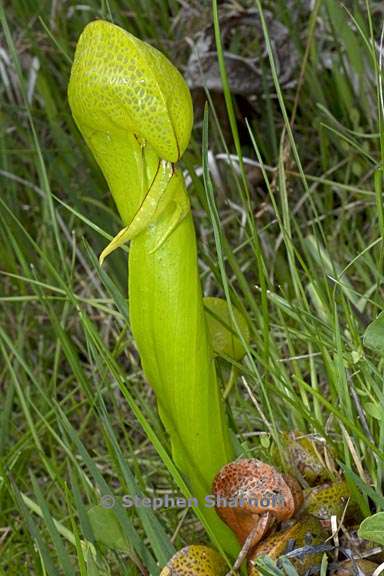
92,568
374,335
372,528
222,331
374,410
106,528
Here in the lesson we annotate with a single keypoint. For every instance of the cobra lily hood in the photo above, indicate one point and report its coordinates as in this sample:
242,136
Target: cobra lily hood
119,82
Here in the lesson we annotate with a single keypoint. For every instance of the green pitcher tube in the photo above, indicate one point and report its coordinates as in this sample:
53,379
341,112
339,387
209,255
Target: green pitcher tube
134,110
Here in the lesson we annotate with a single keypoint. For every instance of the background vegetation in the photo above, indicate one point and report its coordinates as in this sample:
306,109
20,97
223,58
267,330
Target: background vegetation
291,230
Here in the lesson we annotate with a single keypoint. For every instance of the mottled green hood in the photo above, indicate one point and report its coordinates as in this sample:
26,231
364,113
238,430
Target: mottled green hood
120,83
